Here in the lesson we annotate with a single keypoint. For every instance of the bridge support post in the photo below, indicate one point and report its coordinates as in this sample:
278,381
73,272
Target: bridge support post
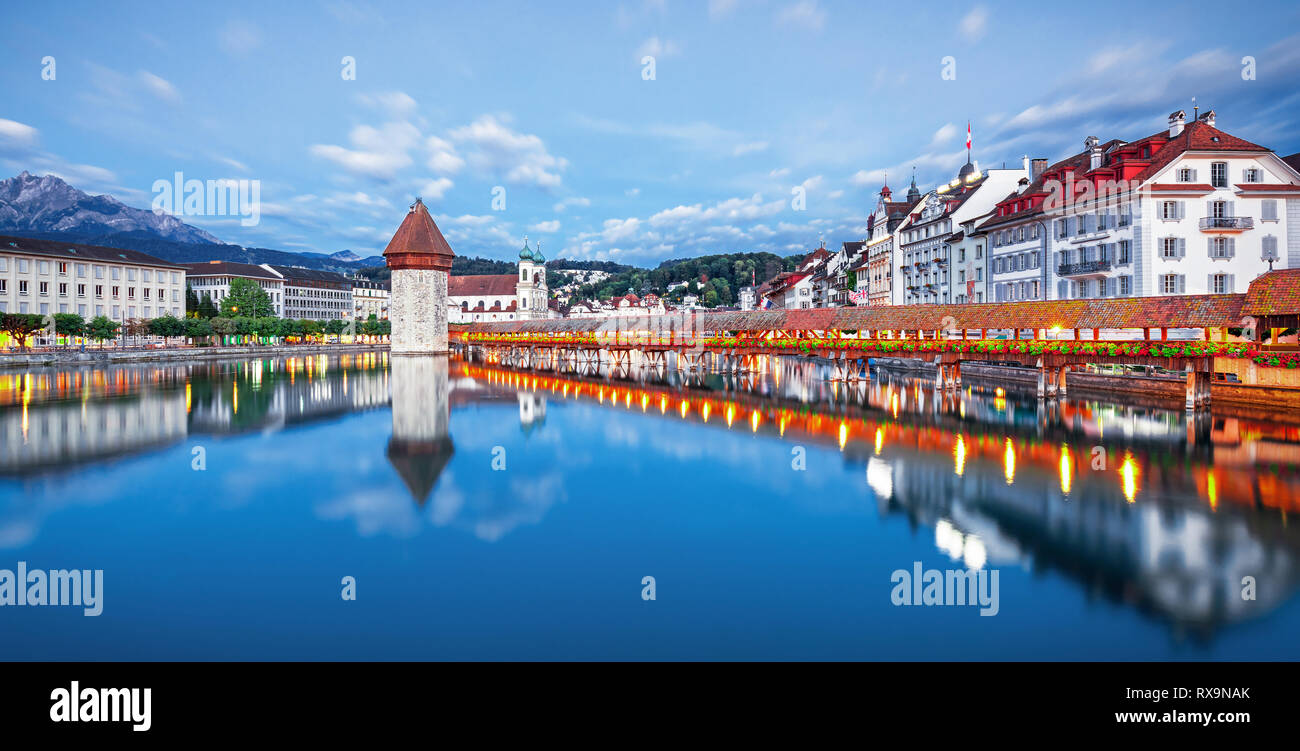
1042,382
1060,386
1198,389
1053,381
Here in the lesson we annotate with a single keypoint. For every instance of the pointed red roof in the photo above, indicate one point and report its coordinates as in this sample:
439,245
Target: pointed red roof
418,244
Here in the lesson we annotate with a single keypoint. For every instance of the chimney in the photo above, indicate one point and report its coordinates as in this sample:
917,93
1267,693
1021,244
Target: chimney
1176,122
1026,165
1037,168
1092,145
1208,118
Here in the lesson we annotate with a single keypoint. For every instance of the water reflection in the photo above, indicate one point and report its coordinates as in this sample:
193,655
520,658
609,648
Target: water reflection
1159,512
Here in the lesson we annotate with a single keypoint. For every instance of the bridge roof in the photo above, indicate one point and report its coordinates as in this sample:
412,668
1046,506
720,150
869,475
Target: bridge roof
1183,311
1274,293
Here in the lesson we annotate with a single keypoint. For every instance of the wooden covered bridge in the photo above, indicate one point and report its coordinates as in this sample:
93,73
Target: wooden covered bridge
1186,333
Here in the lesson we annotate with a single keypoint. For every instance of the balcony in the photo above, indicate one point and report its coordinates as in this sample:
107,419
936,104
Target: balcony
1084,268
1227,223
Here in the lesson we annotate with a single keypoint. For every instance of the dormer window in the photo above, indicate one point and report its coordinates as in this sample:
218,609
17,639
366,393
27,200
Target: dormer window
1253,175
1186,175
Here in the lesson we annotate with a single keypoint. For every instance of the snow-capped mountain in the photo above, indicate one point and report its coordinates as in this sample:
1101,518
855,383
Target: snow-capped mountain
47,204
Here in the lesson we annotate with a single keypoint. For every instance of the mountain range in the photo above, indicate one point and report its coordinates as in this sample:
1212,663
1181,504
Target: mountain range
47,207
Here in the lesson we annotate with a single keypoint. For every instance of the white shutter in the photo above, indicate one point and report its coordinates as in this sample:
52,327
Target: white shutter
1182,284
1182,210
1232,246
1193,175
1209,283
1232,285
1182,247
1229,209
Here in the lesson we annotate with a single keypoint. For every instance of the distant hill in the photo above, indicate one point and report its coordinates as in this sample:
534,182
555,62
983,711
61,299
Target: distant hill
717,278
561,264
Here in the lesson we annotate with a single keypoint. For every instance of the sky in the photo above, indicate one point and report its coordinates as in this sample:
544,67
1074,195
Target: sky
545,119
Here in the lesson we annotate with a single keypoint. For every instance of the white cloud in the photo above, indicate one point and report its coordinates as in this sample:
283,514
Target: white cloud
398,104
16,132
566,203
442,156
749,148
159,87
944,134
974,23
806,13
632,192
523,158
551,226
239,37
378,152
619,229
721,8
657,48
779,172
236,164
435,189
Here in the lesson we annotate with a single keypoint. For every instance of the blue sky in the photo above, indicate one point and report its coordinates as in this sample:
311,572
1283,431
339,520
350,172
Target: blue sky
750,99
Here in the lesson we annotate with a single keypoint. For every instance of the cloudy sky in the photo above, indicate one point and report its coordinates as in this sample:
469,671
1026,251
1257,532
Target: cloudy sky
550,106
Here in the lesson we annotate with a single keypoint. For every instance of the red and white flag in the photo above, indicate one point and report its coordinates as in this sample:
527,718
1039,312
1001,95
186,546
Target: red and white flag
968,135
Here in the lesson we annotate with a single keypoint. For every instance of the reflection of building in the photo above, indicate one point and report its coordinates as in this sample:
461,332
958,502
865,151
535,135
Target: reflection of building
420,446
42,435
532,410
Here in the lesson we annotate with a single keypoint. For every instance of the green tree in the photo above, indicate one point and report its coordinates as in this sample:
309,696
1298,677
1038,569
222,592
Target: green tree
191,302
207,308
21,326
710,299
246,298
335,327
198,328
69,324
222,326
103,328
285,327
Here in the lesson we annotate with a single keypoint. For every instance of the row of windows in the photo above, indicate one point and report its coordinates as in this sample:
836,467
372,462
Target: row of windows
43,289
81,270
84,310
1219,175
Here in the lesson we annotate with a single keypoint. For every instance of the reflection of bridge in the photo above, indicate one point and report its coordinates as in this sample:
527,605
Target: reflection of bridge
1170,538
1132,331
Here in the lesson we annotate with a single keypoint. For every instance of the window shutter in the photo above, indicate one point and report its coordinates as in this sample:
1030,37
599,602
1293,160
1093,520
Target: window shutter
1209,283
1181,209
1182,247
1232,247
1209,247
1182,284
1232,285
1228,209
1193,175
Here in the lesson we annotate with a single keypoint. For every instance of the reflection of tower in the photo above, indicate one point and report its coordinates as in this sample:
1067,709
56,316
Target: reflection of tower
420,258
532,411
420,446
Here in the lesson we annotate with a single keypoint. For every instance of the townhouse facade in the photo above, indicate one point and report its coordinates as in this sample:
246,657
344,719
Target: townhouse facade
369,298
46,277
924,254
1188,210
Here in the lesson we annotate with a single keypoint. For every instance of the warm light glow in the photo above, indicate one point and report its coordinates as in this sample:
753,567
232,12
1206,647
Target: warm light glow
686,407
663,405
1067,470
880,440
959,455
753,421
1128,472
1009,462
704,411
844,434
1212,490
731,414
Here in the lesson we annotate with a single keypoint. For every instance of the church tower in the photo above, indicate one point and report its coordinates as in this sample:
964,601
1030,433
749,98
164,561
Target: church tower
420,258
531,291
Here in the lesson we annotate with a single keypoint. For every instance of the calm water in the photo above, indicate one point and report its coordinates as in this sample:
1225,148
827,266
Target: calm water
324,468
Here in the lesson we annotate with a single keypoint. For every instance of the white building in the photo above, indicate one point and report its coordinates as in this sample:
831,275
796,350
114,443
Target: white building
501,297
314,295
212,280
1188,210
369,298
46,277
